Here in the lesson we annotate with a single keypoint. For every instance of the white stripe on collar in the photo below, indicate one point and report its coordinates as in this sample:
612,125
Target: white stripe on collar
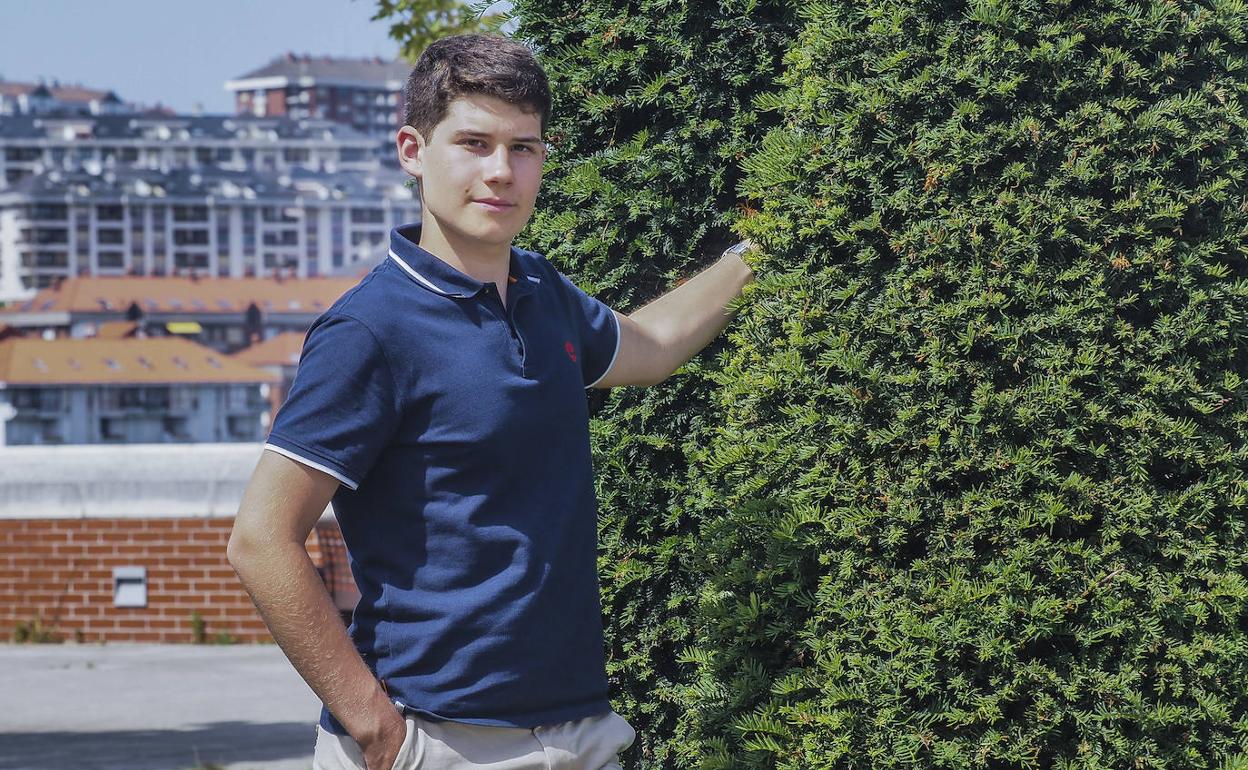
417,275
533,278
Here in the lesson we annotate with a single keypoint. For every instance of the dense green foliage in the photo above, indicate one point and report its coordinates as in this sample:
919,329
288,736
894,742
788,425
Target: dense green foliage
653,114
984,465
965,486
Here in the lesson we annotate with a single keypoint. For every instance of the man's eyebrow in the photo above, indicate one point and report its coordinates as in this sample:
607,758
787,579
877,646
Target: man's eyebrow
467,132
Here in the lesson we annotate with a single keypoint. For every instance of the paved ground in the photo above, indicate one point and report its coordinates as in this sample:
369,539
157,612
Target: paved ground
153,707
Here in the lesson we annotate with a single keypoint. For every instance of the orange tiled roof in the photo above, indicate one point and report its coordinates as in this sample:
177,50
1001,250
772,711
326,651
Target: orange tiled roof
282,350
119,362
186,295
116,330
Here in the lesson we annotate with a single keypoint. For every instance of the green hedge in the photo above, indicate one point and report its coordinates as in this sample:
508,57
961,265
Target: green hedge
983,462
653,114
965,484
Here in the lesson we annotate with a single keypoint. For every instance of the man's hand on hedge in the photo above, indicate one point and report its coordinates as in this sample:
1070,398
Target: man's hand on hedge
746,252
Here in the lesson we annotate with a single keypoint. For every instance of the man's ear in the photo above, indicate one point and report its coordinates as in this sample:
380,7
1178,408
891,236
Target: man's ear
410,145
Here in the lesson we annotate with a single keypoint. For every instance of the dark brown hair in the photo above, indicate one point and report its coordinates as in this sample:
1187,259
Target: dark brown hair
473,64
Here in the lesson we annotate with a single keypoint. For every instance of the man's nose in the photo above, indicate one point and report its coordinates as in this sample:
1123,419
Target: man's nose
498,165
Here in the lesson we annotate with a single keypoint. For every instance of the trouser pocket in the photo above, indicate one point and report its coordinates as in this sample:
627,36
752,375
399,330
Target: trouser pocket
341,752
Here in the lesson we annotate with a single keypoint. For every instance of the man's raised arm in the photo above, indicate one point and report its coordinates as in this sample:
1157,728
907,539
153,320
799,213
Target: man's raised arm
659,338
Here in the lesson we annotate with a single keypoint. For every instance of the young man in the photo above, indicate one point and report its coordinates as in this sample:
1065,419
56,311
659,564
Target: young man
441,405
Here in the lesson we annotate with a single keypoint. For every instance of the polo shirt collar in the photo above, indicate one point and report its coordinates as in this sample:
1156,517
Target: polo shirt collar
437,276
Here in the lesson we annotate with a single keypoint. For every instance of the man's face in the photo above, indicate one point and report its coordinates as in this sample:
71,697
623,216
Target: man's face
480,169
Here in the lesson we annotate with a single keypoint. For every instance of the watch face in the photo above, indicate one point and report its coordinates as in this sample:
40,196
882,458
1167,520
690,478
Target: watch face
741,248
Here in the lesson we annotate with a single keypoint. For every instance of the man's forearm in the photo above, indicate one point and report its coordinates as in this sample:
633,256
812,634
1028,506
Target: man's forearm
687,318
288,592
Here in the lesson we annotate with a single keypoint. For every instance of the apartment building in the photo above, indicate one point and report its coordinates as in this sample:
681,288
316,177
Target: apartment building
35,144
127,391
225,314
363,93
45,98
279,355
60,225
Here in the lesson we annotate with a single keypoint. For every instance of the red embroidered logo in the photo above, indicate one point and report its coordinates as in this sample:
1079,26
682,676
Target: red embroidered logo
571,350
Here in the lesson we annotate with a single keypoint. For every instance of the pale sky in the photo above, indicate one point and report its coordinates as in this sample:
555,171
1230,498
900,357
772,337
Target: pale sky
176,52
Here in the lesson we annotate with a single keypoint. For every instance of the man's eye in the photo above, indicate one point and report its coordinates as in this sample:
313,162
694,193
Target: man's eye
524,147
473,142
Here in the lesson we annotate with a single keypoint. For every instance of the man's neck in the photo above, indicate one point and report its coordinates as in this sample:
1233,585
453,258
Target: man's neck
488,263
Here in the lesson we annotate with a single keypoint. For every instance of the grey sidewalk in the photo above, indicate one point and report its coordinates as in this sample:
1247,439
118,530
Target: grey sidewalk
153,707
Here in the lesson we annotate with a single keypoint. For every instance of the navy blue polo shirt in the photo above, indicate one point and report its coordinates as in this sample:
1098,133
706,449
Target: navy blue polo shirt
459,430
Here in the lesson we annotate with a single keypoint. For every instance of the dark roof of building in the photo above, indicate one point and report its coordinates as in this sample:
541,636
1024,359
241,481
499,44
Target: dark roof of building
64,93
182,128
291,65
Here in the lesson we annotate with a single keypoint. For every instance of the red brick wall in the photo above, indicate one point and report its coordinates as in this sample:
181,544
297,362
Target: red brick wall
60,571
275,102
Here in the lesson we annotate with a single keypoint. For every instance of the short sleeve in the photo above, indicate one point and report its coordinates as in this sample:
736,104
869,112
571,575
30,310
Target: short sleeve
599,330
341,410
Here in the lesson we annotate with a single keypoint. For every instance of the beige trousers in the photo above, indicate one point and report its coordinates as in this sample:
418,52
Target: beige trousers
591,743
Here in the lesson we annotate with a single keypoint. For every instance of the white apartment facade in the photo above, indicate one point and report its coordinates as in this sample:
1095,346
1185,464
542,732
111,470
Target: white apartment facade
61,225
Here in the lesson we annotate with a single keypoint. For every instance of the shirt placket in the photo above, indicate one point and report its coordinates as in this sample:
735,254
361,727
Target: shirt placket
507,315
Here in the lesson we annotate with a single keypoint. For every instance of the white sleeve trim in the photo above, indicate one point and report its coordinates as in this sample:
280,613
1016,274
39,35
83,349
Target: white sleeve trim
305,461
619,334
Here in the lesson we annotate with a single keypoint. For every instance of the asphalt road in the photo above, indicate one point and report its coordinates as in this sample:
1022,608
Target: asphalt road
153,707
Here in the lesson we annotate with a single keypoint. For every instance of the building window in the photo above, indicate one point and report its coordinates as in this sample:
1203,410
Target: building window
111,429
190,237
149,398
242,428
50,211
176,428
111,260
373,239
22,154
51,259
368,216
281,238
83,238
136,240
110,235
37,399
189,261
279,214
50,235
183,400
110,213
190,213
